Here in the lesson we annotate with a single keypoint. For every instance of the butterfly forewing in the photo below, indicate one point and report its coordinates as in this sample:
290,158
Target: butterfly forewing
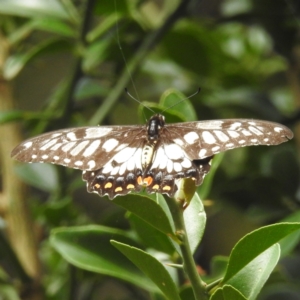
85,148
119,159
206,138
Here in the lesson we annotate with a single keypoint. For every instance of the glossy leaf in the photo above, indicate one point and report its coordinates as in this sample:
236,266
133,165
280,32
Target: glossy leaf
195,221
174,100
254,243
146,209
42,176
227,292
151,237
288,244
41,8
250,280
89,248
152,268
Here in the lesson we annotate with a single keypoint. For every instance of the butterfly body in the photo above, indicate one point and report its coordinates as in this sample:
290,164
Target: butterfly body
119,159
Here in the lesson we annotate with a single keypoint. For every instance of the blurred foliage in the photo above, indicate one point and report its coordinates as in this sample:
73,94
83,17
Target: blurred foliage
69,62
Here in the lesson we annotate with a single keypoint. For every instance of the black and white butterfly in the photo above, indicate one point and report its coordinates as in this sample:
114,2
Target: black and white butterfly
119,159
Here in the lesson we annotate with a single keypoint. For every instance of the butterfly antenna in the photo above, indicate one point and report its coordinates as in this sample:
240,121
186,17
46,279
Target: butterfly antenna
198,91
138,101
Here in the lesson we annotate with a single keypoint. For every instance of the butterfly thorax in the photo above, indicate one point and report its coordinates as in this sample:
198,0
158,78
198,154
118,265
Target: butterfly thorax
154,126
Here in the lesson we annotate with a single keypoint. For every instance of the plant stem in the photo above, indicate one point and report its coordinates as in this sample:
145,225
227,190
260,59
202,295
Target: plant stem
188,261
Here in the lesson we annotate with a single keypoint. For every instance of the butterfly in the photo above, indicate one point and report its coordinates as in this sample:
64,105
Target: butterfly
116,160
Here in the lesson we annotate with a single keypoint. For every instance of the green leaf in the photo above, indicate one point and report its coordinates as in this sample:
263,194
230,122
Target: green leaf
55,26
171,116
288,244
41,8
89,248
48,24
227,292
152,268
250,280
195,221
151,237
254,243
187,293
15,63
218,267
103,27
96,53
183,108
146,209
42,176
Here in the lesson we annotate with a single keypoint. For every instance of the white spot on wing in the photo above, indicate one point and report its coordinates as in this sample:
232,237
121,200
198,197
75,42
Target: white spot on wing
229,145
246,132
186,163
110,144
235,125
68,146
208,137
221,136
177,167
278,129
91,148
242,142
56,146
33,156
214,124
56,157
96,132
123,168
76,150
191,137
115,171
48,144
173,151
67,160
202,153
124,155
169,166
178,142
91,164
159,157
78,163
45,156
107,168
71,136
27,145
216,148
130,163
255,130
233,134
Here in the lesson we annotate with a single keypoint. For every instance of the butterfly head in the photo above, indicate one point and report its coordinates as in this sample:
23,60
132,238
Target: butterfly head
154,126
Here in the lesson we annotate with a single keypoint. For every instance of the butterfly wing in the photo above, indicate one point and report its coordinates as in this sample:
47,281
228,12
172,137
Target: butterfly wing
204,139
85,148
